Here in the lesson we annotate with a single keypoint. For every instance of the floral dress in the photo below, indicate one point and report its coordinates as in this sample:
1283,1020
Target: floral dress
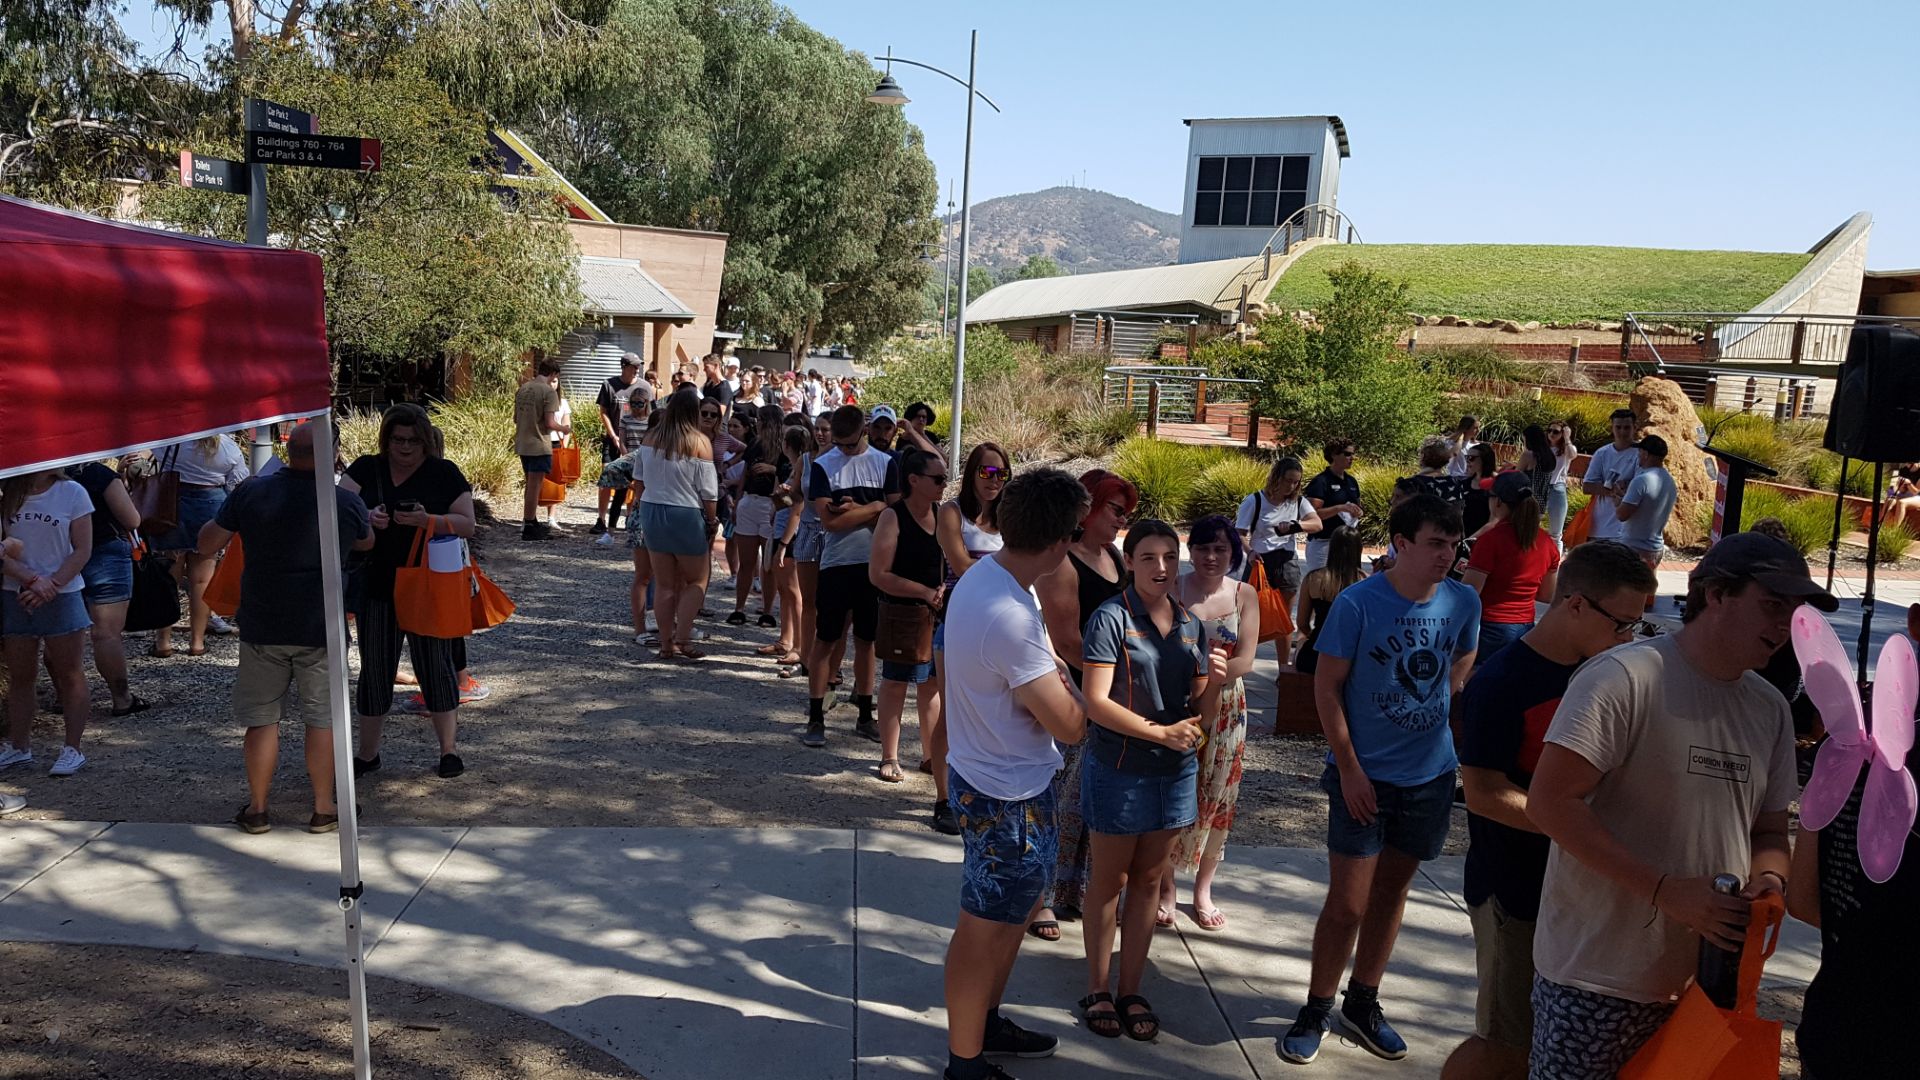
1219,780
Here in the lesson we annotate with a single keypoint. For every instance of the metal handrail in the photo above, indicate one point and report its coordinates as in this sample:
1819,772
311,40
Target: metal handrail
1300,215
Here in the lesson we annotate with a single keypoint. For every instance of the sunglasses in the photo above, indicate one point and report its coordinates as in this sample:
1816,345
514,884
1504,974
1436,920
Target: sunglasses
992,472
705,415
938,478
405,440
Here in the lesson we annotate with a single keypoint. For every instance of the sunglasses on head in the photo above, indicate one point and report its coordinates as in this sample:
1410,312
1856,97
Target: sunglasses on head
992,472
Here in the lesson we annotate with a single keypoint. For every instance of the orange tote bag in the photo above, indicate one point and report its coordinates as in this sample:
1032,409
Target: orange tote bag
1702,1041
566,462
1577,530
223,592
1275,620
430,603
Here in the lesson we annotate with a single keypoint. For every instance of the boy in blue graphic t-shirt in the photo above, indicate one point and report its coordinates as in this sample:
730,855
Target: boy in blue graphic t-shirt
1394,649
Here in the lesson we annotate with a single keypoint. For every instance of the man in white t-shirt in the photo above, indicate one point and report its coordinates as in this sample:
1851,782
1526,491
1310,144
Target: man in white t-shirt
1008,699
1609,471
1668,762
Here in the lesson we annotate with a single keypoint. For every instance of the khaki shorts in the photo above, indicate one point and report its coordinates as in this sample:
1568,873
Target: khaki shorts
268,672
1503,957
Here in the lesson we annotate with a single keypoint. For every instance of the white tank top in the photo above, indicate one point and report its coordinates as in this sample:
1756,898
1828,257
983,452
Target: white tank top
978,540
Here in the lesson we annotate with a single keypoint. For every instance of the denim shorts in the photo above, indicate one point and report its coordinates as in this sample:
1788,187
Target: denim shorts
808,541
1118,803
1495,636
673,530
109,574
940,636
915,674
780,519
1011,846
1411,820
65,614
536,463
197,507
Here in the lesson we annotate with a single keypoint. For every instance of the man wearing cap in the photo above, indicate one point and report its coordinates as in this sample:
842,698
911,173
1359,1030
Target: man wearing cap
1648,502
882,423
613,407
1669,761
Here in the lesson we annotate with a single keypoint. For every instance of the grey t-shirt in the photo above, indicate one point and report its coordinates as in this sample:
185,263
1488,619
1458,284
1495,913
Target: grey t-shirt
1653,492
1690,762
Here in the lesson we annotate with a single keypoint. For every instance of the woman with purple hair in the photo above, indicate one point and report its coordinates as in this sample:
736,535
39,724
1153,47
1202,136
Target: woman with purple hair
1229,611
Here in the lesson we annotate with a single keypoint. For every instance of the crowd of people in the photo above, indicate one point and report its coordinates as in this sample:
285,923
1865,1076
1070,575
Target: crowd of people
1079,684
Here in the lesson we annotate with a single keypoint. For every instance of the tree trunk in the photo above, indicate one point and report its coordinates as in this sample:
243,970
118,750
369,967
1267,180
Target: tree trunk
240,23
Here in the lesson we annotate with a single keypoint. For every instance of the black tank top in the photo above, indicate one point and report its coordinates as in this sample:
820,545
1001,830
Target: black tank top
1095,589
917,557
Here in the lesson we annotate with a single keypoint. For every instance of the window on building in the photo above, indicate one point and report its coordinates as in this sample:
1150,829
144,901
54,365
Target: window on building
1249,192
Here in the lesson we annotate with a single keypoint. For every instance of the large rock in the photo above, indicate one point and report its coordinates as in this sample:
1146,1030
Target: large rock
1662,408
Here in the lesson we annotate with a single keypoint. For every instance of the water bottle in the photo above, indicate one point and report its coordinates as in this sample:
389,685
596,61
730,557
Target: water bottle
1719,973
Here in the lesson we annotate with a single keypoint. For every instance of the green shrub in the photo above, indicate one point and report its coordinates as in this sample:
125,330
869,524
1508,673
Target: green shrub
1222,485
1091,427
1894,541
1376,491
915,370
1809,522
1822,470
1766,446
479,438
1588,418
1002,411
1474,362
1164,473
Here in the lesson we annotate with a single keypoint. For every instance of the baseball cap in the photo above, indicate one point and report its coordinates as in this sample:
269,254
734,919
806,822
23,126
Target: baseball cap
883,412
1766,560
629,360
730,361
1653,444
1511,487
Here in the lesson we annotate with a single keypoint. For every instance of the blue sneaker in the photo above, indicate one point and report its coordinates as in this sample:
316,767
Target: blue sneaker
1301,1043
1361,1019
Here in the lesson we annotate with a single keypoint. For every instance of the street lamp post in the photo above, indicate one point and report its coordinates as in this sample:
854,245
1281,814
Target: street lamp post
888,92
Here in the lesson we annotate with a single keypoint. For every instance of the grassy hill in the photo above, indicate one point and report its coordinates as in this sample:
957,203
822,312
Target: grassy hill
1084,230
1550,283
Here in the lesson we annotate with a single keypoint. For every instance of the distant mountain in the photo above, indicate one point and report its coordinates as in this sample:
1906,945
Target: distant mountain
1084,230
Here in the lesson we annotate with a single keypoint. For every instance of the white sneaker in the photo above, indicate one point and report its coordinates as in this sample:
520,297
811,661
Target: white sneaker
12,804
603,540
68,763
218,625
11,757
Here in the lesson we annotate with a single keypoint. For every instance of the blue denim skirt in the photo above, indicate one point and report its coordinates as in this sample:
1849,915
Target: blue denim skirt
1116,803
197,507
65,614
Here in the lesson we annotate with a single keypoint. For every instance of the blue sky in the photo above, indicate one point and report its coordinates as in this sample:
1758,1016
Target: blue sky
1750,125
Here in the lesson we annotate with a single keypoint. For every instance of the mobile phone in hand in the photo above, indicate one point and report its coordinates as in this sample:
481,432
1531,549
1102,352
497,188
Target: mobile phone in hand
409,507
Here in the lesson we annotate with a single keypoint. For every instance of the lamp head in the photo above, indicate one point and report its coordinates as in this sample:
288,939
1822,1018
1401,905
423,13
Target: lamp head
888,92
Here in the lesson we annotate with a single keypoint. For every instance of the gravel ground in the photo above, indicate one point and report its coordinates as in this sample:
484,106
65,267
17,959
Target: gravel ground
85,1011
584,727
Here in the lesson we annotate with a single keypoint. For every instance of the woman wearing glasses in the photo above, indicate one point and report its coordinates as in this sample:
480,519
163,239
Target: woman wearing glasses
905,566
1558,458
969,530
1066,602
407,487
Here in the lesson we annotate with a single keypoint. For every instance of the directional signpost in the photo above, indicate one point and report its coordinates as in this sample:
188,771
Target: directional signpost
212,173
313,151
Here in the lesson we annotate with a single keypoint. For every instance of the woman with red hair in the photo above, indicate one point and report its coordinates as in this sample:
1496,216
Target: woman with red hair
1066,601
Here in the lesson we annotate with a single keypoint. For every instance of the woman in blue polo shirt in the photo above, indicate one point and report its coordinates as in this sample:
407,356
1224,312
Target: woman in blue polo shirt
1150,699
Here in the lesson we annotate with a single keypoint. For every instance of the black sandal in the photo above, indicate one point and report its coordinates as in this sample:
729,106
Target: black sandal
135,704
1039,927
1105,1025
1134,1020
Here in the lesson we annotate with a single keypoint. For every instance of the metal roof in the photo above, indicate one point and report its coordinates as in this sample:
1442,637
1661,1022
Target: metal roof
621,287
1215,284
1339,126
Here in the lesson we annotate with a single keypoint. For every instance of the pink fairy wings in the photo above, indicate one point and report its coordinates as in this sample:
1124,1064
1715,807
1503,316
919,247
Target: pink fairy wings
1890,803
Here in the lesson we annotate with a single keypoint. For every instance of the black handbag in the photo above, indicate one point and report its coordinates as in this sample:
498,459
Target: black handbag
155,603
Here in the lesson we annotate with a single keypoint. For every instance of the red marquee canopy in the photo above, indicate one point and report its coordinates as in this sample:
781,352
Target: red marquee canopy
115,337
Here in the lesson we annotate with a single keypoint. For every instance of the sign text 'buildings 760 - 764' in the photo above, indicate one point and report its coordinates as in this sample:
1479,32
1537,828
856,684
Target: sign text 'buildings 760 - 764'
312,151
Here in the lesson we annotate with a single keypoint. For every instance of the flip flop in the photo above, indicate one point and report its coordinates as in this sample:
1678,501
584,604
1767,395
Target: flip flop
160,654
774,649
1210,919
893,777
1164,918
135,704
691,656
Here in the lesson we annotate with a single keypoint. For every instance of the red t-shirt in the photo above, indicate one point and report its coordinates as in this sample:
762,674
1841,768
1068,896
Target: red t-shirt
1513,576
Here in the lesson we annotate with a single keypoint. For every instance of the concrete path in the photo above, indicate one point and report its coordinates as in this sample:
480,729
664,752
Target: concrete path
693,954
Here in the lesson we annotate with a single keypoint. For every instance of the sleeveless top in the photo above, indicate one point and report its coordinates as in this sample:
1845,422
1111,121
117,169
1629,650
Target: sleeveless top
1094,589
1540,479
978,542
917,556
